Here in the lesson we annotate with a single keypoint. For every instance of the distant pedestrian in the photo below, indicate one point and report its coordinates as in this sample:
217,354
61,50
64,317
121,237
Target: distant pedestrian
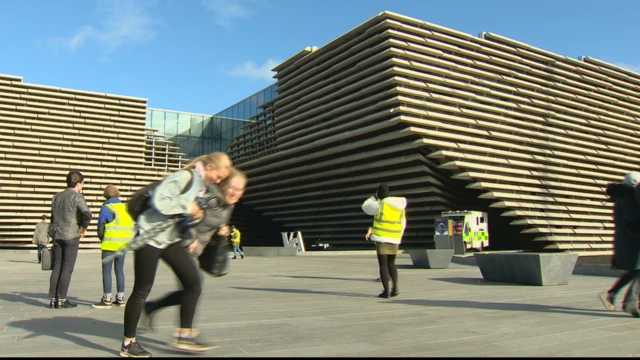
41,236
388,227
235,241
70,217
626,243
115,229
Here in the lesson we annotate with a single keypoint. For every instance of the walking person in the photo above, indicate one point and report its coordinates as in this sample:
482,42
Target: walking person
115,229
389,222
626,243
41,236
174,197
235,241
70,217
221,202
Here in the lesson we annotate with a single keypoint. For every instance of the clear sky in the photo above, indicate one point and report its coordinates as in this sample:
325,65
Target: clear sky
205,55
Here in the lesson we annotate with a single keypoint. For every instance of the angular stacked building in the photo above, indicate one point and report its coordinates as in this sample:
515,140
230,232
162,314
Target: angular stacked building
452,122
46,131
449,120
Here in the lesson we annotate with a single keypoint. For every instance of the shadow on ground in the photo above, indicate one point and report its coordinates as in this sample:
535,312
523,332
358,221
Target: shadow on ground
325,278
508,307
24,262
306,291
36,299
75,329
475,281
410,266
456,303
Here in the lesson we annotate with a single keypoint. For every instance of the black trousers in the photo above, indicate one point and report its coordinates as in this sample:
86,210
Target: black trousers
172,298
145,266
626,278
387,264
65,253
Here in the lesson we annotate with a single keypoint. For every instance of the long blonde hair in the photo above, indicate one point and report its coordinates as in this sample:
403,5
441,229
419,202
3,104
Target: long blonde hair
216,160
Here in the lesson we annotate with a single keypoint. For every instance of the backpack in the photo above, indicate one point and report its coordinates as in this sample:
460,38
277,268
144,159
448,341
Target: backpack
139,201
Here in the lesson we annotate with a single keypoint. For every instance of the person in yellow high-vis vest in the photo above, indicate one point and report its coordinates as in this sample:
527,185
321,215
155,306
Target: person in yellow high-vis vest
389,222
115,229
235,241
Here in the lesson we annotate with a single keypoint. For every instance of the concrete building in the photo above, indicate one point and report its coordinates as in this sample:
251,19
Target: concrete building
45,131
112,139
449,120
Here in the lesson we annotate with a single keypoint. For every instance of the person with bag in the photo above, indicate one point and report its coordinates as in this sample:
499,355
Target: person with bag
41,237
210,245
70,217
162,236
214,258
389,222
115,229
626,243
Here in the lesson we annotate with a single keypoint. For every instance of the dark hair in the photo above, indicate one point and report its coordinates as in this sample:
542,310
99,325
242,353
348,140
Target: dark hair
383,191
73,178
44,217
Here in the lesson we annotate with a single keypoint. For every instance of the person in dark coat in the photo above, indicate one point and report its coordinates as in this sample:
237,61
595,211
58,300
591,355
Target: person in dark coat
626,243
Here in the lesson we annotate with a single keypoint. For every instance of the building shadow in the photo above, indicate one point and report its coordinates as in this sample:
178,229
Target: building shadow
410,266
36,299
475,281
305,291
467,304
324,278
75,330
33,299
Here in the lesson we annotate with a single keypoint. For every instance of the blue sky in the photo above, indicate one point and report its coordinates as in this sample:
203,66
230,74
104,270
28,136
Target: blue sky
205,55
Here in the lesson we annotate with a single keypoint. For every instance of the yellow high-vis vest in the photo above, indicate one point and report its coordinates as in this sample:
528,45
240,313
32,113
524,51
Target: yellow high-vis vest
235,236
388,222
120,231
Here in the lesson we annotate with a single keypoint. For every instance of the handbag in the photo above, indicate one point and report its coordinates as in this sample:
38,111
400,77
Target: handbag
215,256
46,258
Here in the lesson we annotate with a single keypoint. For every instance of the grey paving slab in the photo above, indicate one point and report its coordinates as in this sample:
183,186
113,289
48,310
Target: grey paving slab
314,306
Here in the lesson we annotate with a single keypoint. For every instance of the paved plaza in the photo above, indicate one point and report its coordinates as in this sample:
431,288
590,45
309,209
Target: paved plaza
312,306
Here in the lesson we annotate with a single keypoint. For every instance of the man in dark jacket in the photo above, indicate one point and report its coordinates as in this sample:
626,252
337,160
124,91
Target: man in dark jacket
626,243
70,217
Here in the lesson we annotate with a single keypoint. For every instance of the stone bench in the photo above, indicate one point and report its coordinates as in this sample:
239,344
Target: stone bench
431,258
527,268
269,251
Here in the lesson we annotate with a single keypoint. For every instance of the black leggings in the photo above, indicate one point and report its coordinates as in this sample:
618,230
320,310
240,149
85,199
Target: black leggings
144,268
170,299
387,265
622,281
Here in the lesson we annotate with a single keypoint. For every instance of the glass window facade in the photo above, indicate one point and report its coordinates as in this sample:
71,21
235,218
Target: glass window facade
198,134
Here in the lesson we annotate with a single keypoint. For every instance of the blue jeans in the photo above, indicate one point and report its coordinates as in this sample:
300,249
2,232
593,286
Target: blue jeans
106,272
236,248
